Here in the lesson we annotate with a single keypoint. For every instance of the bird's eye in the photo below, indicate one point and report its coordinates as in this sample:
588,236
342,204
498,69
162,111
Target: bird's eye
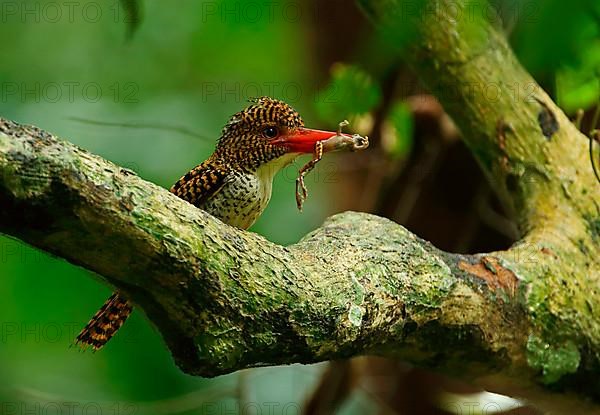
271,132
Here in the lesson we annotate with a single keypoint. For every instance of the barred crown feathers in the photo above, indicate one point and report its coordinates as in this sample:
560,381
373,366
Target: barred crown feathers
266,110
241,147
262,112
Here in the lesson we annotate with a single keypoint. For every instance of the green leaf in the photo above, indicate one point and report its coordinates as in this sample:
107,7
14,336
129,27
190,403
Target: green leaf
398,131
350,92
551,34
579,87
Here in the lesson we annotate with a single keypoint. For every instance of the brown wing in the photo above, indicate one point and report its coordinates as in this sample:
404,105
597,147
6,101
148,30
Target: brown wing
201,183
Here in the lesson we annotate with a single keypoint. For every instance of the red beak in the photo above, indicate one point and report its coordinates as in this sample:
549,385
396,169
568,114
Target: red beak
303,140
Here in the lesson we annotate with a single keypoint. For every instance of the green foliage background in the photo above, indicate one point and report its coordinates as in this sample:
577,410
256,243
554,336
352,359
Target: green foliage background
190,65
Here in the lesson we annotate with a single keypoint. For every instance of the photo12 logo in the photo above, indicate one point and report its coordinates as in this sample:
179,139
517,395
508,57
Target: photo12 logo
290,92
251,12
67,407
13,251
22,332
241,91
41,12
505,13
69,91
51,332
250,408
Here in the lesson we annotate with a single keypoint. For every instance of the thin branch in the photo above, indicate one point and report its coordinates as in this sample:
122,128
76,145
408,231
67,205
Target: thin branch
143,126
594,136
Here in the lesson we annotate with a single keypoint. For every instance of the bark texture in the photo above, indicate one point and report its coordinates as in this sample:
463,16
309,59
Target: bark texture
226,299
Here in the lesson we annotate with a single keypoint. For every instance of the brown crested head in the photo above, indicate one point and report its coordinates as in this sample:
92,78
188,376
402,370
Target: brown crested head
264,131
248,136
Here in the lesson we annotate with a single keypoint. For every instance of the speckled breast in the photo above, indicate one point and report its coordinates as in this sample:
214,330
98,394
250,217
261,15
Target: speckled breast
241,201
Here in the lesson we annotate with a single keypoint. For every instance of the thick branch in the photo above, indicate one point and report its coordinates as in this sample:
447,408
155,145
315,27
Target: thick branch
536,159
532,154
226,299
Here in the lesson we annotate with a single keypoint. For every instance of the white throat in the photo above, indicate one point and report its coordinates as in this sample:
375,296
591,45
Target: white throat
267,172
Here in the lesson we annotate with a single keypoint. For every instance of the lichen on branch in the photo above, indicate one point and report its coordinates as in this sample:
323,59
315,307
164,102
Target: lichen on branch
225,299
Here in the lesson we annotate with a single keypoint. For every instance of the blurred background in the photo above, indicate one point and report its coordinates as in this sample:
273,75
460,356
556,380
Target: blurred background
149,84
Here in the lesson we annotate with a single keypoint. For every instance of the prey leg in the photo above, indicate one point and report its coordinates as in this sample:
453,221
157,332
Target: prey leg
341,125
301,191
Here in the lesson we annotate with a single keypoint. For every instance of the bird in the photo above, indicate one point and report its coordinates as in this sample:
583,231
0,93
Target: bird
234,184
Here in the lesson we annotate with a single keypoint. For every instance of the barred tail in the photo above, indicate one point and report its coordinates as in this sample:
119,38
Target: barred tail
105,322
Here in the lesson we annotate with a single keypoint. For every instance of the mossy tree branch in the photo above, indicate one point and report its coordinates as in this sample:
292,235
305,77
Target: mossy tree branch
534,157
226,299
